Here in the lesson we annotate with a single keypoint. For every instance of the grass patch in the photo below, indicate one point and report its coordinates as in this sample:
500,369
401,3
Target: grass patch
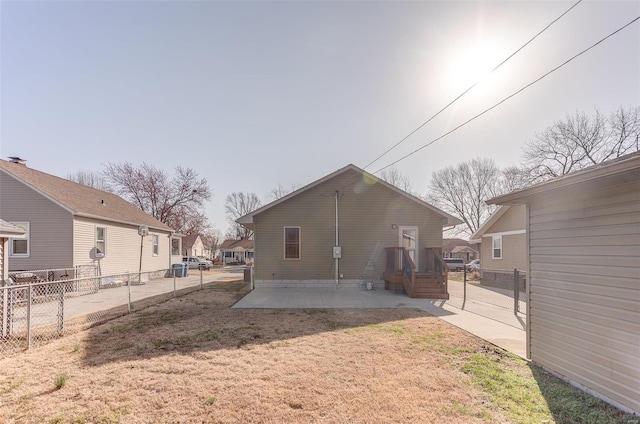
211,400
543,398
60,380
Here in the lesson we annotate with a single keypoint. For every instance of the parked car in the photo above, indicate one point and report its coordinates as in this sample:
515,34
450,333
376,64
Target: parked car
474,265
454,264
197,263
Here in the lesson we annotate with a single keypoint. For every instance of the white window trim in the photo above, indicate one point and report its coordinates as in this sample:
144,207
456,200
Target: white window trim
493,249
27,236
95,241
155,244
505,233
284,246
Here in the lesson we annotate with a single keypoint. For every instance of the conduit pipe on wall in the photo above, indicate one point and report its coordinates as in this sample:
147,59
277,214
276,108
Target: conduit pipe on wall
337,240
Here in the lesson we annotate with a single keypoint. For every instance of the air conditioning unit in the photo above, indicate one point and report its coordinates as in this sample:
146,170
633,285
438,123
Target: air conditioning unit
143,230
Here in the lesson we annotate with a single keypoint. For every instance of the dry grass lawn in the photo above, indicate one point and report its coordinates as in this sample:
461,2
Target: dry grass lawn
192,359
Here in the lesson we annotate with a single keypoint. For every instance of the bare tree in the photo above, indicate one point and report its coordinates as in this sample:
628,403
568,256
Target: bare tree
177,201
281,191
91,179
580,141
394,177
461,190
238,204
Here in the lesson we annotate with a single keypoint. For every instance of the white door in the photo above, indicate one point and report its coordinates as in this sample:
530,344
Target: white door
408,238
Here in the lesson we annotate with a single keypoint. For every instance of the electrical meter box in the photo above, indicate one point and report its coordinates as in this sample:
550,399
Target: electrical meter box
337,252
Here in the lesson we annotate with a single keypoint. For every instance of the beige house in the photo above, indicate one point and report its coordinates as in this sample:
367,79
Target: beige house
8,233
583,254
70,225
192,246
502,242
344,229
237,251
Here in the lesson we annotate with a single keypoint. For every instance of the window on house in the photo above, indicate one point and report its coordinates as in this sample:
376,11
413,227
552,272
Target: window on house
292,242
19,247
101,241
175,246
497,247
154,244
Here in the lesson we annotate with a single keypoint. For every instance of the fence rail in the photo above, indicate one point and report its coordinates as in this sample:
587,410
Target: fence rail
34,311
501,288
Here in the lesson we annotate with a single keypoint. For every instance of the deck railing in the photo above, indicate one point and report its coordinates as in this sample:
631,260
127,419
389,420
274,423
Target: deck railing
437,266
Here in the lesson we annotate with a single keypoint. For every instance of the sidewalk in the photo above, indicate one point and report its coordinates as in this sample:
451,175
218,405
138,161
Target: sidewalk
504,330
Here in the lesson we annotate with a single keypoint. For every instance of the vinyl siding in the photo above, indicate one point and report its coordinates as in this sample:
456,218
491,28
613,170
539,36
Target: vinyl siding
514,253
122,248
585,289
366,214
50,226
513,219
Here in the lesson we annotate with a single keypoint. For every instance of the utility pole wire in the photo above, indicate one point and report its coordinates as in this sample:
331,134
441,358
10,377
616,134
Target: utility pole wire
472,86
506,98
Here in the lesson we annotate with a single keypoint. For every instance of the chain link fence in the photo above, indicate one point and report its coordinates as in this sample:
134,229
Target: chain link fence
34,311
484,290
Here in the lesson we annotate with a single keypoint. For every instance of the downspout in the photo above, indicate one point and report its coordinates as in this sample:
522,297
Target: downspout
337,241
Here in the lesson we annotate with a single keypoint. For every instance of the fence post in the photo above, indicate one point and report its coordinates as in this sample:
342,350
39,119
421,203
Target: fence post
61,310
516,291
129,292
29,316
4,320
174,281
464,296
200,278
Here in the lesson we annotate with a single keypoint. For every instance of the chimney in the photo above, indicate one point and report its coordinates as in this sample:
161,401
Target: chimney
19,161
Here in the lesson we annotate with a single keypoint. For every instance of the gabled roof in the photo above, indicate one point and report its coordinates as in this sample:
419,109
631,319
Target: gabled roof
614,172
10,231
189,240
231,244
81,200
247,219
477,236
449,244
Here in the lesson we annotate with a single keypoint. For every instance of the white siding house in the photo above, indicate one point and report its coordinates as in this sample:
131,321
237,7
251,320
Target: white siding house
583,251
70,225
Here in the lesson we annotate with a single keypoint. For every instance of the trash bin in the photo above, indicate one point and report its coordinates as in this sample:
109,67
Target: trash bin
178,269
185,269
247,275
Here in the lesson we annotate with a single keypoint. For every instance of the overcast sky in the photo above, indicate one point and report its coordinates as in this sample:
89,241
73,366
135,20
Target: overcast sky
256,94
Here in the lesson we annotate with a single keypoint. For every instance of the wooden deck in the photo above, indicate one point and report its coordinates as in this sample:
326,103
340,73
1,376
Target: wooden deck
401,274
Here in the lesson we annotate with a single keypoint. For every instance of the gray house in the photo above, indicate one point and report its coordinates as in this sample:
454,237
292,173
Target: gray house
346,228
583,254
70,225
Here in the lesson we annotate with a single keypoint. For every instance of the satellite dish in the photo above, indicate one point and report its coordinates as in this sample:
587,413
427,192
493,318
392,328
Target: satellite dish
143,230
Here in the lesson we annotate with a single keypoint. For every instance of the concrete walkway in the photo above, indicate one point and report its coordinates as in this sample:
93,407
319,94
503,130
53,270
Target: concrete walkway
503,329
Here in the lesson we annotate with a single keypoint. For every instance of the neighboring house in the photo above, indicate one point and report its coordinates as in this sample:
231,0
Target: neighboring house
236,251
70,225
17,236
583,319
336,231
459,248
192,246
502,242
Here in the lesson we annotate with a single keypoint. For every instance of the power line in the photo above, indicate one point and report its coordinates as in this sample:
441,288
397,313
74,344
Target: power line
508,97
472,86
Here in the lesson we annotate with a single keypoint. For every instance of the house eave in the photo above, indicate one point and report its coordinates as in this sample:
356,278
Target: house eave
606,173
